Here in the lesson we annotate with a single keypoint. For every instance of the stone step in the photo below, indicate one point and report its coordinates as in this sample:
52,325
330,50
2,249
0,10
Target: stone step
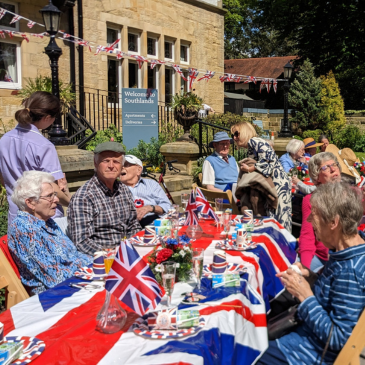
177,182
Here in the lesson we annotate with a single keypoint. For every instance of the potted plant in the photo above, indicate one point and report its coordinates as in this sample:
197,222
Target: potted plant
186,108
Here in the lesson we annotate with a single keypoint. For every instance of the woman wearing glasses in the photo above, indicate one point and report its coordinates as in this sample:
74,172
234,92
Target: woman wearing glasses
45,256
244,135
323,168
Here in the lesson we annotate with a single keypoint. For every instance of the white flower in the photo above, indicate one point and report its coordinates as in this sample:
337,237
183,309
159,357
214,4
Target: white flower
158,268
177,265
186,248
159,248
182,253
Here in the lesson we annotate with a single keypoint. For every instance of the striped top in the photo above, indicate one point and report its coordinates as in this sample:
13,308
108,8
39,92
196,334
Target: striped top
339,298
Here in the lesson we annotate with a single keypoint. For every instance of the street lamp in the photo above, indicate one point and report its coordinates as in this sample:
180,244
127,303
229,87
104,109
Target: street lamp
286,128
51,18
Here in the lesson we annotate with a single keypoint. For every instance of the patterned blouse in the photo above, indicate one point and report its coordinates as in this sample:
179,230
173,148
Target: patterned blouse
45,256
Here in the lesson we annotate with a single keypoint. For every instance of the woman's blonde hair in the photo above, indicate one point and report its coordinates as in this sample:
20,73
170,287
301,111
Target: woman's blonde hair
246,131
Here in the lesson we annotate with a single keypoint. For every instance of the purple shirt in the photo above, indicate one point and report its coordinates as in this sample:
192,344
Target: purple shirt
23,149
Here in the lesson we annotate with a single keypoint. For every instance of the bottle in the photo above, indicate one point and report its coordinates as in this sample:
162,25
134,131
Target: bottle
272,136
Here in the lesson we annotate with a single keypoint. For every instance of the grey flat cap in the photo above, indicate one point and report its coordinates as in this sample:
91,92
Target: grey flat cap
109,146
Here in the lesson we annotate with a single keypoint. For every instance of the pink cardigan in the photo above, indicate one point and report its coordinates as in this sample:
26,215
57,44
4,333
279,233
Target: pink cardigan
308,245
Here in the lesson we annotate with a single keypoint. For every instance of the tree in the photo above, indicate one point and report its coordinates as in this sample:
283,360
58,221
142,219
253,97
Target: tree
305,98
333,112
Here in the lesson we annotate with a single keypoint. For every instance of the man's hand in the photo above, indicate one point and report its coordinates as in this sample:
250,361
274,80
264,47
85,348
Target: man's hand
141,212
62,183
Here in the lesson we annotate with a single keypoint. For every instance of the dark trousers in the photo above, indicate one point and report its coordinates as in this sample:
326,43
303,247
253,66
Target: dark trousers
145,221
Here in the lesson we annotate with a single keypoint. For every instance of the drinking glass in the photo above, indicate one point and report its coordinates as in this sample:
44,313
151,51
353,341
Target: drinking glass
184,200
168,272
175,211
194,232
219,204
198,256
227,217
109,256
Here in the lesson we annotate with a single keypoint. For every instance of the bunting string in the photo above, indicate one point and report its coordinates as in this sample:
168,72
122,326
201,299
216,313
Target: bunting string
113,49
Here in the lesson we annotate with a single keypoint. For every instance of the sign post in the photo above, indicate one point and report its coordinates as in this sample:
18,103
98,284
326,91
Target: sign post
140,116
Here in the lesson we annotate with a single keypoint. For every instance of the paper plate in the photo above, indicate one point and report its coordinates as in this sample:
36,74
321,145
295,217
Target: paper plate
231,269
138,241
140,328
32,348
232,247
87,273
256,222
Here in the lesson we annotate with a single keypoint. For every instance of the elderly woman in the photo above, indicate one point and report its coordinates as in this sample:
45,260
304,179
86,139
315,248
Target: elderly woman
244,135
323,168
294,156
331,310
44,255
323,139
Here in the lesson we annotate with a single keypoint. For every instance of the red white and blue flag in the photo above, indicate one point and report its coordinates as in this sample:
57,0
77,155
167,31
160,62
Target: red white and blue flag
156,62
191,212
131,280
275,85
30,24
99,49
139,59
208,75
2,12
203,205
111,47
15,19
177,68
250,79
193,74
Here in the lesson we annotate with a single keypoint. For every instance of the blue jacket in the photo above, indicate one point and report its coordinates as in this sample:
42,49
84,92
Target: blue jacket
288,163
339,298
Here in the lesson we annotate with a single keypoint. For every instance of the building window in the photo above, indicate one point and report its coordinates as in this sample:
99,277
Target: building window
134,75
169,50
153,78
111,36
169,84
133,42
114,80
5,21
152,46
185,84
10,65
184,53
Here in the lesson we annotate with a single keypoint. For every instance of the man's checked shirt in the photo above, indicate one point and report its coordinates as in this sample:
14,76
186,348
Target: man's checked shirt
98,218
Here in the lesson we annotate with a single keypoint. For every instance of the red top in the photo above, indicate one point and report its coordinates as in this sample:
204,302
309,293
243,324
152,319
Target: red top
308,245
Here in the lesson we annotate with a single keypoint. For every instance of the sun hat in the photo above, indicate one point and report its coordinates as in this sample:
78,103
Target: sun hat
310,143
109,146
346,157
220,136
133,160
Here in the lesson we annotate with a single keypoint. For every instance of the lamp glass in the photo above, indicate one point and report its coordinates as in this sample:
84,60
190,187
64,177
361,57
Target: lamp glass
288,69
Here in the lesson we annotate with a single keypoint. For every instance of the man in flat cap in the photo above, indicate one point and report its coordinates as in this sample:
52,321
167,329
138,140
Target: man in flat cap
149,198
102,212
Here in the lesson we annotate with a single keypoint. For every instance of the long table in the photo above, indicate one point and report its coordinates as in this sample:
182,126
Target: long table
65,317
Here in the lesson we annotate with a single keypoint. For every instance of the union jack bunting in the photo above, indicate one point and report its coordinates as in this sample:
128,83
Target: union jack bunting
9,33
156,62
208,75
24,36
275,85
99,49
268,85
203,206
30,24
131,280
66,35
2,12
191,217
223,78
120,55
265,83
140,59
238,79
40,35
84,44
250,79
193,74
230,77
178,70
111,47
2,34
15,19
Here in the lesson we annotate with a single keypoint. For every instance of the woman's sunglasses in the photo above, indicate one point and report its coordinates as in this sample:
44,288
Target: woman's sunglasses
236,134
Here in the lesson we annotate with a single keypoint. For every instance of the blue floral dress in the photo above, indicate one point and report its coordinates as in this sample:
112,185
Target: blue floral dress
44,255
268,165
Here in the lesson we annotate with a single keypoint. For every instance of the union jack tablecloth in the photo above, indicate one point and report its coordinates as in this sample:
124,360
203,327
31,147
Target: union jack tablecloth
65,318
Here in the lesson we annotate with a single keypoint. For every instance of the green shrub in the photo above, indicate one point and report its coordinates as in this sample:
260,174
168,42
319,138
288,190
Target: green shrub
360,144
4,209
352,112
347,137
298,137
312,134
198,170
104,136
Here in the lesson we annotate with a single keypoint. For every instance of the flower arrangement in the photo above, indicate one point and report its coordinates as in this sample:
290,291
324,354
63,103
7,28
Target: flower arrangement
360,168
178,251
301,171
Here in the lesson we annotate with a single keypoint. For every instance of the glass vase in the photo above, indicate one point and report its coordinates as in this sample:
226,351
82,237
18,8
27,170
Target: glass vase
111,317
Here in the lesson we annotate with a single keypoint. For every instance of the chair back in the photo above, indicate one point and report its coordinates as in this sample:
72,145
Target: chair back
212,195
15,291
350,353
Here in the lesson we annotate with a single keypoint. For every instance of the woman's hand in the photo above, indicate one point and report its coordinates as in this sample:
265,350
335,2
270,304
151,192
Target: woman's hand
302,159
295,284
245,168
303,269
295,180
62,183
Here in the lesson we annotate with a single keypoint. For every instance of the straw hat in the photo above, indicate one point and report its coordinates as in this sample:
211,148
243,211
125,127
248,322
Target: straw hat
310,143
346,157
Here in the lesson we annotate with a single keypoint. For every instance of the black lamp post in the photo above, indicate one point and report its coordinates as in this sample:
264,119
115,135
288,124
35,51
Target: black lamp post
286,128
51,18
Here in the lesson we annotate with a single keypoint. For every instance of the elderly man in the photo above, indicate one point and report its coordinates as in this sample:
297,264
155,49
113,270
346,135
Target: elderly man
102,212
220,170
149,198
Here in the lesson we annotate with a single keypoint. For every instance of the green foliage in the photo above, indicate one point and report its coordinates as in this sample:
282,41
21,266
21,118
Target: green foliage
333,112
44,83
313,134
111,133
360,144
198,170
347,137
305,97
355,112
170,133
298,137
4,209
187,102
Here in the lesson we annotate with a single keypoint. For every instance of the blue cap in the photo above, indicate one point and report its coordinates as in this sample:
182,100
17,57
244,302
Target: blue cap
220,136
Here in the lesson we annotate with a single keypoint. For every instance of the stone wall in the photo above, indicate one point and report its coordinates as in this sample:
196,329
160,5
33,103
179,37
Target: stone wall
358,121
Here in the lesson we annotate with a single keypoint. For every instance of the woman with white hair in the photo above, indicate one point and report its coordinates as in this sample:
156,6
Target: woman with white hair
44,255
329,311
294,156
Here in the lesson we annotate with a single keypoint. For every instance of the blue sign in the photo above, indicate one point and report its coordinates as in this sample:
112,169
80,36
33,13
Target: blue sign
140,115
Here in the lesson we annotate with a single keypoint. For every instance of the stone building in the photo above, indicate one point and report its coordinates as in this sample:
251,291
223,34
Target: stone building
186,32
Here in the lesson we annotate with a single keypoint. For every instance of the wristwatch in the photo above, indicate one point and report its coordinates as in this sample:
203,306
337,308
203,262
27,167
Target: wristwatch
153,208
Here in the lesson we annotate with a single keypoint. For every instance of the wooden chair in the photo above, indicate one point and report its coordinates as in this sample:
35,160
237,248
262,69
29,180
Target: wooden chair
211,195
350,354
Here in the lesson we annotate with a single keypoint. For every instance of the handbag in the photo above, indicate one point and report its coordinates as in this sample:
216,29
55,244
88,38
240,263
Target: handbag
283,323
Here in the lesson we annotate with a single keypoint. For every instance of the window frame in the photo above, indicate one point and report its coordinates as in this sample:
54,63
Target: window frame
172,50
155,38
119,32
120,80
156,69
182,44
14,85
16,11
138,34
139,73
